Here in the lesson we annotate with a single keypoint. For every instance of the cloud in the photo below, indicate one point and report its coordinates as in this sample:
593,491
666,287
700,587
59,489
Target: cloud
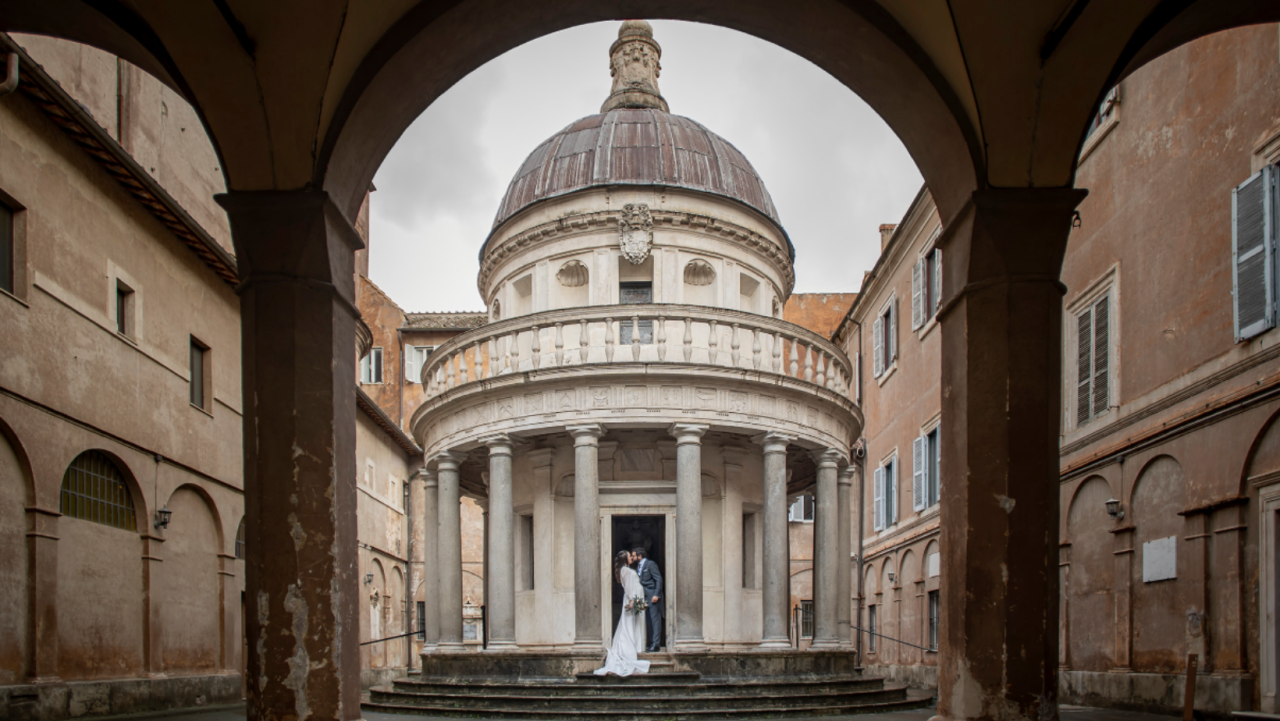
834,168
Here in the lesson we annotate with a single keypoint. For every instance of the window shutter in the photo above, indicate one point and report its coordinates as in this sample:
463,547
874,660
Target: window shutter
891,513
1084,365
937,280
410,364
919,473
877,504
891,353
1101,351
877,335
364,369
1252,254
936,471
857,379
375,362
917,294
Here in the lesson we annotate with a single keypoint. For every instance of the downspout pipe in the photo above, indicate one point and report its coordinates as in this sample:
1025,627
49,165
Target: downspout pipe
11,75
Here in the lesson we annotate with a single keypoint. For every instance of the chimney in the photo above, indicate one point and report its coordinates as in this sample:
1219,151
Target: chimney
886,232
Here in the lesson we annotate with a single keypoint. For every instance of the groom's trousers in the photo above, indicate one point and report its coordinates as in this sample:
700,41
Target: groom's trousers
654,617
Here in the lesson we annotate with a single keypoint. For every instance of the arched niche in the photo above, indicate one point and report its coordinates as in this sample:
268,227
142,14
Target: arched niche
1159,607
189,584
17,492
1090,578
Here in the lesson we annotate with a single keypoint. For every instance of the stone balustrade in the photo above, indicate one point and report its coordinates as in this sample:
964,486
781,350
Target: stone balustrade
649,334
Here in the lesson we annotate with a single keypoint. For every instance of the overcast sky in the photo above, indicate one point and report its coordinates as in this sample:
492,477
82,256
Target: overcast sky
834,169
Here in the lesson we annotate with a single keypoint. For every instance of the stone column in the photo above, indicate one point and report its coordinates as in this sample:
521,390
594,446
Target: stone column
295,255
586,537
430,560
500,599
776,562
42,560
826,551
688,536
449,551
152,625
1001,393
844,609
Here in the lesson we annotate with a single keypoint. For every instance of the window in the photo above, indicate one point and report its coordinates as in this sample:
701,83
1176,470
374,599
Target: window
1253,253
802,509
240,540
885,493
7,254
422,621
94,489
925,483
933,620
806,619
201,381
125,301
884,337
871,629
749,521
1105,112
371,366
415,359
926,288
1093,345
634,292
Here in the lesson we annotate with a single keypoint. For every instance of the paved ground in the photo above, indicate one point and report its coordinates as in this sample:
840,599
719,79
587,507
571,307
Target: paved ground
1068,713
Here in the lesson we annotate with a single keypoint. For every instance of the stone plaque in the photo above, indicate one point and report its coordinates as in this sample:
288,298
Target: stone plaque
1160,559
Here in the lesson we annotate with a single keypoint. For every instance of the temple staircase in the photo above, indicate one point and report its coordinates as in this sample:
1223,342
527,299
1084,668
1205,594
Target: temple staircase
669,692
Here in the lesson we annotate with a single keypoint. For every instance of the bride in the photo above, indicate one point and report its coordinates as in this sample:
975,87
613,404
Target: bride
623,654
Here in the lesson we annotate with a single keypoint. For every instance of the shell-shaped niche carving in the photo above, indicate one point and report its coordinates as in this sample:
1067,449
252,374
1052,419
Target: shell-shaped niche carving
572,274
699,272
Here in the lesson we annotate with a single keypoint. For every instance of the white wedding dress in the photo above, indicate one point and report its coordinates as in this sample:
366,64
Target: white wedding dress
624,653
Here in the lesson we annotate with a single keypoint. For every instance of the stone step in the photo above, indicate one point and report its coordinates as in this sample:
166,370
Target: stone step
622,711
660,677
636,685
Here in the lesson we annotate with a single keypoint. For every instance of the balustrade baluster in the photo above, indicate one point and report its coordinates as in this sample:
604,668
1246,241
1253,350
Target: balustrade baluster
583,337
494,369
479,361
661,324
506,355
635,337
688,339
755,348
713,345
808,363
515,352
608,340
430,382
559,344
536,347
821,374
448,372
735,355
795,358
777,353
462,367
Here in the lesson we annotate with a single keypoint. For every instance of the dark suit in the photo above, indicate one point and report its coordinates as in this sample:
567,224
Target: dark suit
651,582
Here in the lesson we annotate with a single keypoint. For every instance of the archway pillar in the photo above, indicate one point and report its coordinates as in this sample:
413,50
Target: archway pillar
1001,396
42,549
295,259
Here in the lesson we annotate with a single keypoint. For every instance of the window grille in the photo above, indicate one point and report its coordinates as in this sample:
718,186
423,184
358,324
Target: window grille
806,619
933,620
871,627
422,621
93,489
240,540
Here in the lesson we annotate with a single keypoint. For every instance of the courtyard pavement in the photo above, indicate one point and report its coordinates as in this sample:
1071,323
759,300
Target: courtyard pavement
1068,713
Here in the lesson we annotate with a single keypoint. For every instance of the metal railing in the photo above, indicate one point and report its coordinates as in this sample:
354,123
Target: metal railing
680,334
803,617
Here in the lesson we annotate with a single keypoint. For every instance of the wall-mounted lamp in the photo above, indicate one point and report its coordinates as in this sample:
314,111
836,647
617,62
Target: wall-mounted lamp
162,517
891,577
1113,509
368,578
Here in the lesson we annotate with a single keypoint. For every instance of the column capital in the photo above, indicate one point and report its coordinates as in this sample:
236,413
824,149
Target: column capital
686,433
587,434
500,444
429,476
449,460
827,457
773,441
846,475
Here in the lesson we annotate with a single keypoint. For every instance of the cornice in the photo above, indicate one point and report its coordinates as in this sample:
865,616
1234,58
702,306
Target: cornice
584,223
384,422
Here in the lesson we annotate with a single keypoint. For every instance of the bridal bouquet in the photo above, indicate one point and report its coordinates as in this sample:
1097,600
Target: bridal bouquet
636,605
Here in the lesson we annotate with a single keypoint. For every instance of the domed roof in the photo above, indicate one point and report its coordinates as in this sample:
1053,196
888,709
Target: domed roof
635,146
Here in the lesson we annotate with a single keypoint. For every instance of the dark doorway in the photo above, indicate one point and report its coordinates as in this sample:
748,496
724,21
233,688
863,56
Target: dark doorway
647,532
630,293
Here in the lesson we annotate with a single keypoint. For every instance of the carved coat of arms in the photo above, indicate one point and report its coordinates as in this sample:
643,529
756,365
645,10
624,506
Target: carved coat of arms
635,232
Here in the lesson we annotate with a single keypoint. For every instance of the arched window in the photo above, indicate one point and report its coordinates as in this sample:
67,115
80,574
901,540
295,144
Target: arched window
240,540
94,489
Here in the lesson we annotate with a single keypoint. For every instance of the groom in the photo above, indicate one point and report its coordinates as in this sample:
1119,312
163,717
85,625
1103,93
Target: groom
651,581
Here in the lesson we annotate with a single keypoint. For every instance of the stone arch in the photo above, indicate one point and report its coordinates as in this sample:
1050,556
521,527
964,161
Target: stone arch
1090,578
17,493
911,622
1263,458
373,611
100,584
191,615
1158,608
141,508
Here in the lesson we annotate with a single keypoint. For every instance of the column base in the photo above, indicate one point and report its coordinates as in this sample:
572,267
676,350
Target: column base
501,646
450,647
771,643
826,644
588,646
691,645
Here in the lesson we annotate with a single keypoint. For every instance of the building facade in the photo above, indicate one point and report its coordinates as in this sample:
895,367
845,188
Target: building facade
1170,399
